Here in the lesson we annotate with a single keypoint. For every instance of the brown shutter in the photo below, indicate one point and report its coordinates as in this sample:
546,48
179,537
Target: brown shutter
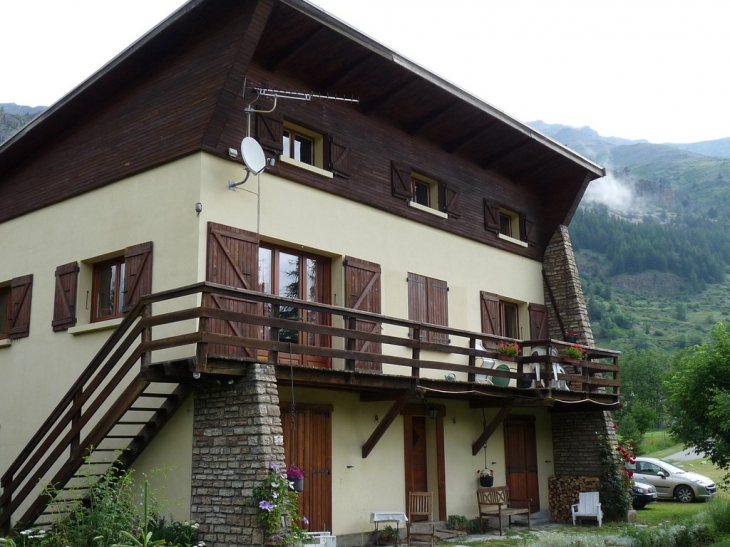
21,290
270,132
527,230
491,215
539,328
362,292
417,301
137,274
489,305
400,175
450,201
233,261
438,308
339,154
64,301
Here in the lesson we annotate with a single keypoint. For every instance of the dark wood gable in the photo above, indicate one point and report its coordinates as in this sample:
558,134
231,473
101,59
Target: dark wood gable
362,292
232,261
21,291
64,300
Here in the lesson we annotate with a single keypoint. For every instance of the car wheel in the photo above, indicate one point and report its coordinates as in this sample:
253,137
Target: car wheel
684,494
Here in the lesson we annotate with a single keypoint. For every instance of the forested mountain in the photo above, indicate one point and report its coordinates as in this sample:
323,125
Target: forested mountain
13,117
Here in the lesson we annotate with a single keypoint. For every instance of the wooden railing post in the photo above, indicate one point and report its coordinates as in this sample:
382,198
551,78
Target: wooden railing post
350,342
76,440
274,334
146,336
201,351
416,353
472,359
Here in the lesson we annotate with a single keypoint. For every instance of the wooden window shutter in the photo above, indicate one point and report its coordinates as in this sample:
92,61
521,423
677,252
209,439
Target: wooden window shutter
450,200
21,291
64,301
438,308
270,132
491,215
527,230
137,274
232,260
362,292
400,178
539,327
417,300
489,305
339,157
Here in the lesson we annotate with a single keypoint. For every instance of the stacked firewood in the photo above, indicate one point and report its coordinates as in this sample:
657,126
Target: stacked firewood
563,492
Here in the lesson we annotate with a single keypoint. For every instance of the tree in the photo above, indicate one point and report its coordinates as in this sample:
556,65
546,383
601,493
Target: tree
699,393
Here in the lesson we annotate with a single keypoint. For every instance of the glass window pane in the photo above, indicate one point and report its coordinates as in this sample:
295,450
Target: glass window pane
510,320
287,144
105,291
303,148
265,270
505,225
422,193
120,284
289,287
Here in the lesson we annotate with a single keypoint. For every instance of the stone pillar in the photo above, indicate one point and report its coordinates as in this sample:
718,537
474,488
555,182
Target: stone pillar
563,293
577,436
237,434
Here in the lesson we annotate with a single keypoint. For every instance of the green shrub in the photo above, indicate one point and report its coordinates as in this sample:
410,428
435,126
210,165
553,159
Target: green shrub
462,524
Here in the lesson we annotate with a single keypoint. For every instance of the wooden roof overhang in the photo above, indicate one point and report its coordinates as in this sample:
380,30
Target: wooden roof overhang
296,39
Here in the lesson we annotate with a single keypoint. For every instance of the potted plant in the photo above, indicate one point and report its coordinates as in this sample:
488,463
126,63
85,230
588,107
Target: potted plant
571,337
278,509
486,477
507,351
575,352
296,478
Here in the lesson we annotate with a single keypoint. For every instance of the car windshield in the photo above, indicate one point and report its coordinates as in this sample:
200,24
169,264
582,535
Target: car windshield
672,468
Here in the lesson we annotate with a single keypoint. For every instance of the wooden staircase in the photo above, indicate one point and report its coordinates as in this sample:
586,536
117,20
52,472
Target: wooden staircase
109,415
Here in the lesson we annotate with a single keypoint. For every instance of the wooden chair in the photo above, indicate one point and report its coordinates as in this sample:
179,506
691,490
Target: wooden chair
493,501
420,515
588,506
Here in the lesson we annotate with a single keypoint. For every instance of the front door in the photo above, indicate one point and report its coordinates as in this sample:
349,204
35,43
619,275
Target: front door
521,456
418,453
308,445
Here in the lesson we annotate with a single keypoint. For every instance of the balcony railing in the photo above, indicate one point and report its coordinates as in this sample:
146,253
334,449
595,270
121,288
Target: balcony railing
349,340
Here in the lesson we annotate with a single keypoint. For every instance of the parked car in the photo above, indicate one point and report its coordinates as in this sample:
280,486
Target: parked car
672,481
642,494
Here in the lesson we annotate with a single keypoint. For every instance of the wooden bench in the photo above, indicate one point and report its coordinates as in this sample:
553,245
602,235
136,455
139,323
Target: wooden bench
494,501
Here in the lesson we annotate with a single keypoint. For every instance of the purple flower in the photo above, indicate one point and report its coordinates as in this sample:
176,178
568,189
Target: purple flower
265,505
276,539
274,467
305,520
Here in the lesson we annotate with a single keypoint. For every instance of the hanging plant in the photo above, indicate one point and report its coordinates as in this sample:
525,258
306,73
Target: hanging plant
278,506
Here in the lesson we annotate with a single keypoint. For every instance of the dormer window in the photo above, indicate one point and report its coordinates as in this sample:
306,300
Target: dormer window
425,191
302,145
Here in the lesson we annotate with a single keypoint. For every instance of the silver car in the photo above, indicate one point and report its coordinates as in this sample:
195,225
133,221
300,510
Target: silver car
673,482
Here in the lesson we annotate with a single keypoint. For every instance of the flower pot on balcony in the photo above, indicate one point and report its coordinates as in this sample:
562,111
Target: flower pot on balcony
503,357
571,338
486,481
525,380
571,360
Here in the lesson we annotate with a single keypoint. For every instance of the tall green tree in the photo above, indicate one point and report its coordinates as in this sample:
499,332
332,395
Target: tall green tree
699,395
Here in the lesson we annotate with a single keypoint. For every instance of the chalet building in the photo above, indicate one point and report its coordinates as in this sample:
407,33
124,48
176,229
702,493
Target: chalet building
342,310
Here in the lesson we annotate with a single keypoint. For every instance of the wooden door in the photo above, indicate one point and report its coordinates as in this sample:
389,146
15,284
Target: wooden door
362,292
521,457
308,445
416,455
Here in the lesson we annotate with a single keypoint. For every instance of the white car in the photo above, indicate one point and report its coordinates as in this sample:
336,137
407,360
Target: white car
673,482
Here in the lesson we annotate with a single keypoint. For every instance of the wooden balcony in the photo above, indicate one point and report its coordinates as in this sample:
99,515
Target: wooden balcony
378,356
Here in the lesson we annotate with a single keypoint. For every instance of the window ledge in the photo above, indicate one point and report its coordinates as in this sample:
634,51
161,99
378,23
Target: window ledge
425,209
94,327
513,240
306,167
6,343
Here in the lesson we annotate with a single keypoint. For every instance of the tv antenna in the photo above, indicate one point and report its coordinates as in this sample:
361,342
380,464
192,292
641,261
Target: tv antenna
253,155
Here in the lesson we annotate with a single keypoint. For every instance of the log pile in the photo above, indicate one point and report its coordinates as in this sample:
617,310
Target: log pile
563,492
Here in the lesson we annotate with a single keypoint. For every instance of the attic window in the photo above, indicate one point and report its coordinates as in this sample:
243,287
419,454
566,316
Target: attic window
509,223
303,145
425,191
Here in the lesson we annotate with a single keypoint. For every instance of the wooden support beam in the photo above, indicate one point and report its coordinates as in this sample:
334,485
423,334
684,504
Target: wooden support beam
492,427
385,423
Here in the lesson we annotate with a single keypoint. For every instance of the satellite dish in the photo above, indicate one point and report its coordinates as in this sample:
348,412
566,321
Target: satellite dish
253,155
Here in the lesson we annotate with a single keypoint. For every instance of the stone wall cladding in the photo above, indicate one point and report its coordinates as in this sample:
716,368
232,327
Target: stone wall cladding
237,434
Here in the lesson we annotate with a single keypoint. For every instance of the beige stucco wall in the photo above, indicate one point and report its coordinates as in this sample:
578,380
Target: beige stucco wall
159,206
377,483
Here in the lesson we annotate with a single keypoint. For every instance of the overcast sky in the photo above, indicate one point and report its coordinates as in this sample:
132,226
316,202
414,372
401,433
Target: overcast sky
638,69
